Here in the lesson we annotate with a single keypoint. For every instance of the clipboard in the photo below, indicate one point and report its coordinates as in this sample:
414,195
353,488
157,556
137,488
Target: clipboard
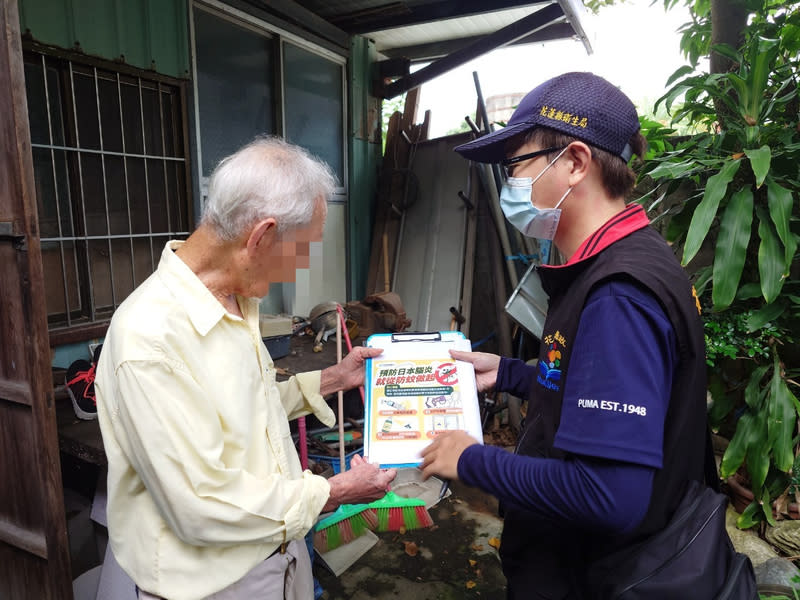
414,391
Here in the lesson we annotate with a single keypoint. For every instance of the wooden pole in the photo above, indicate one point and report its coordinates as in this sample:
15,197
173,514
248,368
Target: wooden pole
342,465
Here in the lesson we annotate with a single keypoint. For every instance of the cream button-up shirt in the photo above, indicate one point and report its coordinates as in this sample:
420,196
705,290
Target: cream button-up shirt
203,477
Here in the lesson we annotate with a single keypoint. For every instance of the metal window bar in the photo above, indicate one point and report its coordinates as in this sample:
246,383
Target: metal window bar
78,212
125,174
67,309
146,179
105,192
163,154
89,283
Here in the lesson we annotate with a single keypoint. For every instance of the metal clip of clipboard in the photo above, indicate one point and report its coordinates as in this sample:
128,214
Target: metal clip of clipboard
417,336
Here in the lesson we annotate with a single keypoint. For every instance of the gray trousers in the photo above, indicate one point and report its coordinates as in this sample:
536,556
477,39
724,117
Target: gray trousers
286,576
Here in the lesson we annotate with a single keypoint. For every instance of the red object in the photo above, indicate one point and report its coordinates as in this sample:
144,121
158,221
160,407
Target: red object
301,430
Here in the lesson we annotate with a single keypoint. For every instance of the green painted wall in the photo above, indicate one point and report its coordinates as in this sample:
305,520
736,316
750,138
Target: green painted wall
364,159
150,34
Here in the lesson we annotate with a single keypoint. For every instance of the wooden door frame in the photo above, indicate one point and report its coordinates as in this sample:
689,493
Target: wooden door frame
34,551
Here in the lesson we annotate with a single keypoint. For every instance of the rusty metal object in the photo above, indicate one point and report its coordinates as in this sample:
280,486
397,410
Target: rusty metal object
323,319
379,313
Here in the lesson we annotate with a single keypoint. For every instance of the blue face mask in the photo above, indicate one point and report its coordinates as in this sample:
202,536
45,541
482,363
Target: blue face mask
516,203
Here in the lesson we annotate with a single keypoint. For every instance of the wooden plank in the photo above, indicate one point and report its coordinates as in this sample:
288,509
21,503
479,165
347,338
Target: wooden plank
33,511
16,391
31,541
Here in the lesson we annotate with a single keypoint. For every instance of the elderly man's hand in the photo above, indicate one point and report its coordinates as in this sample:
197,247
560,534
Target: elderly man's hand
441,456
362,482
349,373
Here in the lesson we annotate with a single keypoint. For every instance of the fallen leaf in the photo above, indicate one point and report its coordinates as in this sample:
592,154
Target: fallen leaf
472,563
471,584
494,543
411,548
477,547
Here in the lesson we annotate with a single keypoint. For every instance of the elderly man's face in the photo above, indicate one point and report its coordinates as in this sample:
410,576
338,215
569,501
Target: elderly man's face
292,249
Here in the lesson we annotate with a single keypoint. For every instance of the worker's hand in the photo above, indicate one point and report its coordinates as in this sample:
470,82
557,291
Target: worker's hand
362,482
349,373
485,365
441,456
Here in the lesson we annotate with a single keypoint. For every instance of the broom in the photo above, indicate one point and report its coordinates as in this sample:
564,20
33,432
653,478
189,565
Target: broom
395,513
347,522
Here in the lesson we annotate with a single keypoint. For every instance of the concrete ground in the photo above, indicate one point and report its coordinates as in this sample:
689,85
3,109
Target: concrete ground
454,559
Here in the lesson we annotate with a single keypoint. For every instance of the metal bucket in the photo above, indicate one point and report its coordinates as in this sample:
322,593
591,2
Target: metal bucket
528,304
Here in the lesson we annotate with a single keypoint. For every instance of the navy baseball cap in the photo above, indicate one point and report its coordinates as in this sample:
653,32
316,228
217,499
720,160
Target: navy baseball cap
581,105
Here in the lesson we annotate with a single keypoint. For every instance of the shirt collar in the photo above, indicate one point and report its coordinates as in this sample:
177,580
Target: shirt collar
203,309
631,219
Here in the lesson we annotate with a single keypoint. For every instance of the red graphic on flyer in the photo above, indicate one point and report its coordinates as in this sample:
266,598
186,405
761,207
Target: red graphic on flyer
446,374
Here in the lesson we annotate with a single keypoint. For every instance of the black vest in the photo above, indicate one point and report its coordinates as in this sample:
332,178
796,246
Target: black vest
642,257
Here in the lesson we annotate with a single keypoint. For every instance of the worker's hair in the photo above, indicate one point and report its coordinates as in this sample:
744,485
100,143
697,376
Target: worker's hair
617,177
266,178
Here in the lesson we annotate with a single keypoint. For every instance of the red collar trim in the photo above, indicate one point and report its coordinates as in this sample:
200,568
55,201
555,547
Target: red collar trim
631,219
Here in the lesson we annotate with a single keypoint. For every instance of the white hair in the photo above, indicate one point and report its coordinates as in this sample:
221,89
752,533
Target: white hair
268,177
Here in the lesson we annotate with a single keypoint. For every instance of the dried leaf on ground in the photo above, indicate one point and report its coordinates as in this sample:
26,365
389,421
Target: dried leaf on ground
494,543
472,563
477,547
411,548
471,584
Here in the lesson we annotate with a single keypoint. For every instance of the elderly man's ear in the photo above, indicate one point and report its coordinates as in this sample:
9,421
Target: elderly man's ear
263,234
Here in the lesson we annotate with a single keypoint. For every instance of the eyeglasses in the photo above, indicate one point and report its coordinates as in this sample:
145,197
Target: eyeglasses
510,162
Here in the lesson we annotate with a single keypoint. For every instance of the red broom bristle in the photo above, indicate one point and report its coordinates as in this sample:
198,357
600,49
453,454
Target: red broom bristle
423,517
396,520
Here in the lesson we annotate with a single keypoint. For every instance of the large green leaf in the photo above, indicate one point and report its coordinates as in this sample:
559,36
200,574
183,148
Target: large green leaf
779,200
766,508
765,314
759,161
758,451
752,393
782,420
761,58
707,209
750,516
771,259
737,448
723,402
731,250
673,170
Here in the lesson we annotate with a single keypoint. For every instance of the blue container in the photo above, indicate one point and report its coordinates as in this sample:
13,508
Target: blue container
277,345
334,460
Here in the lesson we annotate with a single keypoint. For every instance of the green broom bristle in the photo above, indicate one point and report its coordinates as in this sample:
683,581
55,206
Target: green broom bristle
395,513
348,522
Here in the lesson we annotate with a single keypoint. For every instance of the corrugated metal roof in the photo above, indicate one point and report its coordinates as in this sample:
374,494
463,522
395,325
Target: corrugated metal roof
424,29
448,29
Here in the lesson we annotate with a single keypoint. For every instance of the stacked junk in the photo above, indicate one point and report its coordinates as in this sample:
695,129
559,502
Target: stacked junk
441,243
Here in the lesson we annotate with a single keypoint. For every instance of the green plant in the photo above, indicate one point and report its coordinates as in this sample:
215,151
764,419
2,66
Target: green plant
729,196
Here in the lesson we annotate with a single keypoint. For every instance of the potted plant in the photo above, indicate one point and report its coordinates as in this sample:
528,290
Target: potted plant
729,195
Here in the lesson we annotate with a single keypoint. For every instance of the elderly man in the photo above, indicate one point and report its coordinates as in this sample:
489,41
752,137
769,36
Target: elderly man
206,496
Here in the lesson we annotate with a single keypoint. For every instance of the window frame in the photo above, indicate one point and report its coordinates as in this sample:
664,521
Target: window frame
92,321
278,36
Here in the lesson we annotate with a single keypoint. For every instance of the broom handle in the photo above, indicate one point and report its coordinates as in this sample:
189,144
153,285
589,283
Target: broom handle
342,465
349,343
